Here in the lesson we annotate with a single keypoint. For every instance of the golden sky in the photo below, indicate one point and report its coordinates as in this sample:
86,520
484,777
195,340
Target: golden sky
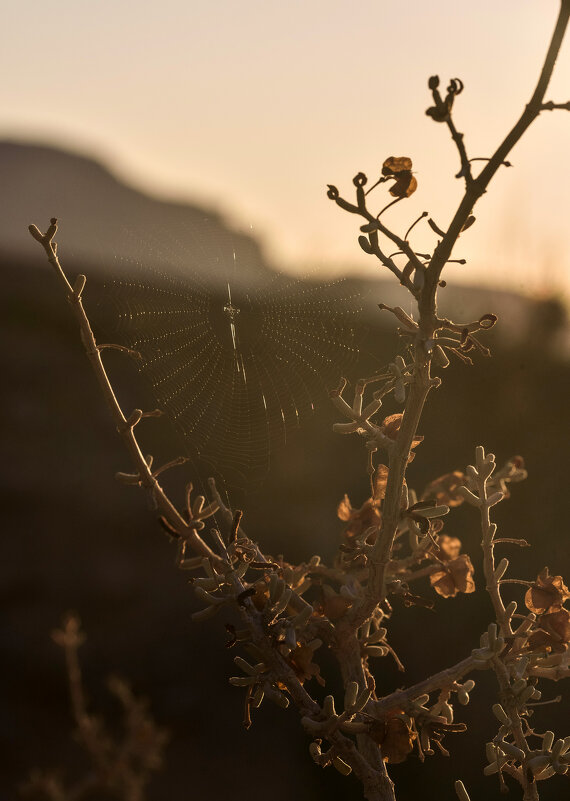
253,106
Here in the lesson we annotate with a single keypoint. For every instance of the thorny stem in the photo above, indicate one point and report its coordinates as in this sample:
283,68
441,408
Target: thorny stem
144,475
529,787
488,530
429,323
422,382
479,186
365,760
458,139
493,587
445,678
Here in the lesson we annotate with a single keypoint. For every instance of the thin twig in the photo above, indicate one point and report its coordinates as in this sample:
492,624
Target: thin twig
146,477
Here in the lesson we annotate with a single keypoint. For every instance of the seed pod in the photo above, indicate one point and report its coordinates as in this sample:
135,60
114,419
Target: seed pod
400,392
291,638
463,697
511,609
501,715
315,752
495,498
242,681
193,563
433,511
341,766
354,727
207,565
462,793
425,741
547,740
350,695
276,588
283,602
375,651
538,763
245,666
362,700
328,706
376,636
257,697
314,726
468,496
501,568
511,750
557,748
525,695
547,773
276,696
490,752
206,583
439,356
211,599
518,686
522,665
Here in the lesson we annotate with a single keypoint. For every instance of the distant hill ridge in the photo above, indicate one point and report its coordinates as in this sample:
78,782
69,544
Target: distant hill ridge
107,227
105,222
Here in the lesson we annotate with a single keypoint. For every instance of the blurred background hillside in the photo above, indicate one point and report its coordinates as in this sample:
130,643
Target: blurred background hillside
75,539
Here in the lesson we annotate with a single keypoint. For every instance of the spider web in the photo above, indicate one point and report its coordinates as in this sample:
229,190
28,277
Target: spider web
237,357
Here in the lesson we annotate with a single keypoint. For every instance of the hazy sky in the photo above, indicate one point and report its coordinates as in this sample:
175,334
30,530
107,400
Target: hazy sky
255,105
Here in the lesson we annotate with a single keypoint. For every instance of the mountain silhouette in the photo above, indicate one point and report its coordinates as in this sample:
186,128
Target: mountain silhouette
107,224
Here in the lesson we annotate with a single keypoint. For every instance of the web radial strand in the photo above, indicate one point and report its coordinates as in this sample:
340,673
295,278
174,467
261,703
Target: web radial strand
235,369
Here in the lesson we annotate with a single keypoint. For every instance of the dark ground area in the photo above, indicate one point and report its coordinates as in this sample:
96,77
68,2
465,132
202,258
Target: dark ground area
75,539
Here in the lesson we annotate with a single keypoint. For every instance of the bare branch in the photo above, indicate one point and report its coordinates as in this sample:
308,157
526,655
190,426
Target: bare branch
144,474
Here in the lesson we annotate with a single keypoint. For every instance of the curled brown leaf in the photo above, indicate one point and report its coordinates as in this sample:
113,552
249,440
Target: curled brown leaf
548,593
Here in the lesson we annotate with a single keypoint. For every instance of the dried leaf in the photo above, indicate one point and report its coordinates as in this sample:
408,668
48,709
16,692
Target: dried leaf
449,548
548,593
344,509
301,660
400,168
394,737
554,633
455,576
390,428
396,164
332,606
444,489
380,482
359,520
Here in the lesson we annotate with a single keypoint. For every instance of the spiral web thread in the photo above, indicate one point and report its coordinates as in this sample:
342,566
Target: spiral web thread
235,368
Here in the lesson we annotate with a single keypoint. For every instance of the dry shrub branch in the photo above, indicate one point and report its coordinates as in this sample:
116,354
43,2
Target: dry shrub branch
394,539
